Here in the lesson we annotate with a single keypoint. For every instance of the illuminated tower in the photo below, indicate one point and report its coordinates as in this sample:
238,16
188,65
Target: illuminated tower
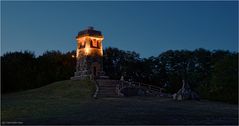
89,54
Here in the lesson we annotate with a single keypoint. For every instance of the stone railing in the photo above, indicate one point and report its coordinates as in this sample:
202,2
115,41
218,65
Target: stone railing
97,89
125,84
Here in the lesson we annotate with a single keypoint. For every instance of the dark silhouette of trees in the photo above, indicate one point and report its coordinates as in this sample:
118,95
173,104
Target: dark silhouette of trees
224,80
55,66
201,69
18,68
213,74
22,70
118,62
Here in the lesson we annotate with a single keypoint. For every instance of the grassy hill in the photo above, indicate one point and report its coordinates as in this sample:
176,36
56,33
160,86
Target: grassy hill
71,102
43,102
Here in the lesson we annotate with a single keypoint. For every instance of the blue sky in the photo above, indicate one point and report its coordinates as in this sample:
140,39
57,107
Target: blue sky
148,28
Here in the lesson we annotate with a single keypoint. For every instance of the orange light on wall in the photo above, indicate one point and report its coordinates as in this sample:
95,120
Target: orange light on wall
87,50
88,45
89,53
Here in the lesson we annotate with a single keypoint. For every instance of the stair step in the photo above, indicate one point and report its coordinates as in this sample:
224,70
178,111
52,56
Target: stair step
104,92
113,83
107,83
112,94
100,96
101,92
107,95
107,88
110,85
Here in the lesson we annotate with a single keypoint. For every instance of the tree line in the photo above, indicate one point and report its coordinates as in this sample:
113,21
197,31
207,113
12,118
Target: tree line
213,74
23,70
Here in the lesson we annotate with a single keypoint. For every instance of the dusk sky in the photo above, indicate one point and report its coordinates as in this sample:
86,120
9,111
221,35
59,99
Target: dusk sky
148,28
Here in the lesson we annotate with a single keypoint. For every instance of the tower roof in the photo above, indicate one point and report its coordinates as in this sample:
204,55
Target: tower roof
90,32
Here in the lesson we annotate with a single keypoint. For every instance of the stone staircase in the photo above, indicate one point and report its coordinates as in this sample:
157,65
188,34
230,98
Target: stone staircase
107,88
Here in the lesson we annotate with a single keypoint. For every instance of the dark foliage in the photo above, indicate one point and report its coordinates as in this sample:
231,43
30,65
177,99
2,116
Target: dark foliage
213,74
22,70
18,71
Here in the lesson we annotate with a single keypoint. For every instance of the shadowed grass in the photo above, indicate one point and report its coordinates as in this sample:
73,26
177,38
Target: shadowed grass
46,100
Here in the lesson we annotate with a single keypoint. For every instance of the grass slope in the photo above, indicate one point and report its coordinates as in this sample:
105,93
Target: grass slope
71,102
47,101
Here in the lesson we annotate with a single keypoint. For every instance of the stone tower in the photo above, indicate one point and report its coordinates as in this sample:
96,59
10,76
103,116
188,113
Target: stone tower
89,54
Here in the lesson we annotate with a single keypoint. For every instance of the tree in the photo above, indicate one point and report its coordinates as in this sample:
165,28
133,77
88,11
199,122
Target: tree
224,81
178,65
55,66
18,71
201,74
118,62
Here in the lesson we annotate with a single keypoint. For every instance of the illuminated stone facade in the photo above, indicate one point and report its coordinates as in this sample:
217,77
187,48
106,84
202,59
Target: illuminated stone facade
89,54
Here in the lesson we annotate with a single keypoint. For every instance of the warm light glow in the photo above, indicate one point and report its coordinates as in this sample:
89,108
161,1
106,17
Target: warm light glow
73,56
84,42
87,50
101,52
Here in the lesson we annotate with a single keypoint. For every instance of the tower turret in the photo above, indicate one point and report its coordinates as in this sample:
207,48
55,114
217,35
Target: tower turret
89,54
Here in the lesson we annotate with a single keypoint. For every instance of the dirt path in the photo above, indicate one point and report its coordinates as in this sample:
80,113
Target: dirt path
141,110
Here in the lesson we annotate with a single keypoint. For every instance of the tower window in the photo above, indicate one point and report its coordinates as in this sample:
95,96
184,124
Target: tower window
82,45
94,43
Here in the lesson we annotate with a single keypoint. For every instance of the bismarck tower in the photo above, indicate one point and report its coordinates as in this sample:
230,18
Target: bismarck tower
89,54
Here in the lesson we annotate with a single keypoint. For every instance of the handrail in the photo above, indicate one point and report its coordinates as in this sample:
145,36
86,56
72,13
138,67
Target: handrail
124,84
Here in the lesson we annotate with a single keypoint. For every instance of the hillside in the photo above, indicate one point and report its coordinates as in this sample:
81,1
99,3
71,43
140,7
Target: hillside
44,101
71,102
